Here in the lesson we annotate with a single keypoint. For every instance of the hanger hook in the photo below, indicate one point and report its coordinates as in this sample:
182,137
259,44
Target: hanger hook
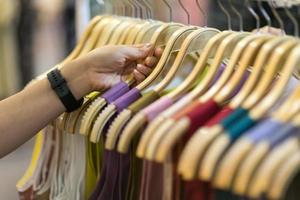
170,10
254,14
186,11
226,13
264,13
141,8
277,16
204,14
292,18
150,8
233,8
147,8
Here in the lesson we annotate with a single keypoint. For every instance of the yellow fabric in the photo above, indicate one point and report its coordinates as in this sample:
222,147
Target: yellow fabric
34,160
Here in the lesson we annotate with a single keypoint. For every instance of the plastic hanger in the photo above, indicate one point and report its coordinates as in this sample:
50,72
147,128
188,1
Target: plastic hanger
159,39
213,154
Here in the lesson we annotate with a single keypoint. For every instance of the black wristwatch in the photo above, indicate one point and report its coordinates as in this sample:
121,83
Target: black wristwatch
61,88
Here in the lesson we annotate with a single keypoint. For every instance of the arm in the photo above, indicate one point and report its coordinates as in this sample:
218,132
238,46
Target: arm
25,113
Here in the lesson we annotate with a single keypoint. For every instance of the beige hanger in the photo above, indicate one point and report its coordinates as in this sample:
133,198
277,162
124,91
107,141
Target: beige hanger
243,146
267,102
284,176
197,38
253,44
99,103
139,120
121,119
84,46
188,164
69,119
264,175
160,38
217,148
230,39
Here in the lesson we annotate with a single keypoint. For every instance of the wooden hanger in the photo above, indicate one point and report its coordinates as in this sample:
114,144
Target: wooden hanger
95,108
69,119
148,134
121,119
169,140
139,120
132,26
271,98
284,176
162,135
159,39
88,46
241,148
194,151
264,175
217,148
253,43
185,49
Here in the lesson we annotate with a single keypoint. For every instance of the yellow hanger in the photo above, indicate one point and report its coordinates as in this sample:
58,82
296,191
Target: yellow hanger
217,148
271,97
139,120
161,134
160,38
113,40
263,178
99,103
149,133
179,36
83,38
198,144
253,43
284,176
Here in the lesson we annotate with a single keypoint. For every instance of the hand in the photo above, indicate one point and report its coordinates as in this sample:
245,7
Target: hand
105,66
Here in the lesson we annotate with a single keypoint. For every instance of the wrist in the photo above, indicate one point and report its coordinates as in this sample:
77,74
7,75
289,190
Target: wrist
76,76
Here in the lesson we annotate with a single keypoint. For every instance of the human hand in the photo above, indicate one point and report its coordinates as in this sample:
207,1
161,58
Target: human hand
105,66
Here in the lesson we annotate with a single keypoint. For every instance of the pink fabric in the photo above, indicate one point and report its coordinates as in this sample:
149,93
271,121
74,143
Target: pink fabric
157,107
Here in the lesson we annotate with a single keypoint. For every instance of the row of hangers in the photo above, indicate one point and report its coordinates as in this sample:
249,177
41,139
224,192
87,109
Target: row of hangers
273,61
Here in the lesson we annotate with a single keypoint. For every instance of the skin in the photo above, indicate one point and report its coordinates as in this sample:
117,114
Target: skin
25,113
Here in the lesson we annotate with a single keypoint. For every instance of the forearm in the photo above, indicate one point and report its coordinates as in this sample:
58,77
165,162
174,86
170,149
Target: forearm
25,113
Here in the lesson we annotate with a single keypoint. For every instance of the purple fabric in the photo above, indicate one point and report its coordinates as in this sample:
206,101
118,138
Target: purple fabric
116,91
263,129
128,98
240,85
284,133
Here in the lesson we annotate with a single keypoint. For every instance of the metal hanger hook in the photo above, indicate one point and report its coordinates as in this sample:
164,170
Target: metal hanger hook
292,18
186,11
241,25
170,10
277,16
264,13
204,14
226,13
254,14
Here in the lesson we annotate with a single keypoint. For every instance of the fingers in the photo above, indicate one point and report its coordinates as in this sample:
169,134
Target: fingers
137,52
144,69
139,77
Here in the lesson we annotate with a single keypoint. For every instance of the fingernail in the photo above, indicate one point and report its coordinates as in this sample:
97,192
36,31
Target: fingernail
148,45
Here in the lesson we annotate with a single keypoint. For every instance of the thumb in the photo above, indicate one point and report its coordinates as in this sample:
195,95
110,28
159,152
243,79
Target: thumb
137,52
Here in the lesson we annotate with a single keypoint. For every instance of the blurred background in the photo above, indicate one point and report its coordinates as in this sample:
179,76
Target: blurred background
37,34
